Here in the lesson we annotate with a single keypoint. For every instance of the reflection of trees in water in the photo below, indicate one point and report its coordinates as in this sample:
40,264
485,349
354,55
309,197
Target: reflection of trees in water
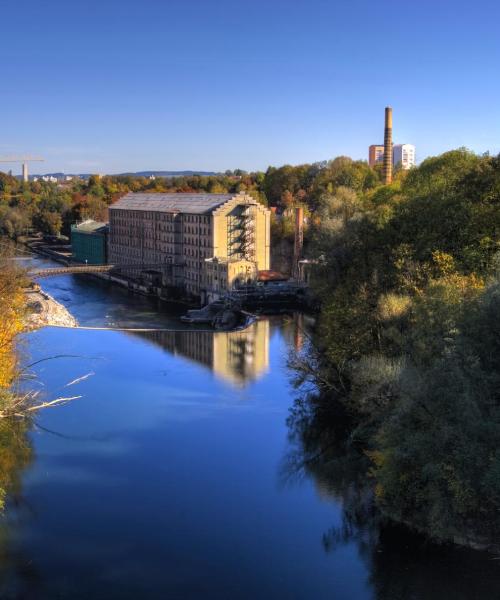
402,564
19,578
15,455
240,352
405,566
321,448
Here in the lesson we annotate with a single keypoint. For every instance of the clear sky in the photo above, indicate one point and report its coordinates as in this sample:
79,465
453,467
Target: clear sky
115,85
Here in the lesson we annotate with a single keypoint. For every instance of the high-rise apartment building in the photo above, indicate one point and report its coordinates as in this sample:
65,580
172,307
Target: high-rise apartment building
401,153
203,244
375,154
404,155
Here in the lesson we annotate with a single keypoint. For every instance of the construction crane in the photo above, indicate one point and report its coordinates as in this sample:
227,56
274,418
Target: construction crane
22,159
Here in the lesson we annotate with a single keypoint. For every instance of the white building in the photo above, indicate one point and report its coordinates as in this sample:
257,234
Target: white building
404,154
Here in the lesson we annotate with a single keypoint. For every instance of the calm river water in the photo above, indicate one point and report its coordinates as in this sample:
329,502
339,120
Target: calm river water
168,478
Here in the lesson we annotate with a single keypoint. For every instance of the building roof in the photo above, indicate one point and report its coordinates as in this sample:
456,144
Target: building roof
183,203
270,275
90,227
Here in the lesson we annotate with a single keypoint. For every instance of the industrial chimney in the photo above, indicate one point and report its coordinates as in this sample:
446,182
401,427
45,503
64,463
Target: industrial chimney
298,244
388,146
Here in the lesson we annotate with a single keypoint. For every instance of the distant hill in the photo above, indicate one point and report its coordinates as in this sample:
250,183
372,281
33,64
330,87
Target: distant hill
169,173
128,174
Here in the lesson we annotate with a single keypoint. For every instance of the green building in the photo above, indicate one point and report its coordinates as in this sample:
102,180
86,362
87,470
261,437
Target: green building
89,242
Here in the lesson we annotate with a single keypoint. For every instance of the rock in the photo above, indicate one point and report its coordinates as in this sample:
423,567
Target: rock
43,310
35,307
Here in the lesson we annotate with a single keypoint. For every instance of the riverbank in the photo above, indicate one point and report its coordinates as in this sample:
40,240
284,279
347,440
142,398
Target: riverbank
62,254
181,453
42,311
159,401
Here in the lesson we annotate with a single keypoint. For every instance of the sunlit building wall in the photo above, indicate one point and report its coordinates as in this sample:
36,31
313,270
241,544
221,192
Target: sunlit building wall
375,154
179,234
404,155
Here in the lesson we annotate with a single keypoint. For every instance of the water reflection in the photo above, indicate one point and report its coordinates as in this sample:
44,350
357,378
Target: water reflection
238,357
18,578
140,496
401,563
15,455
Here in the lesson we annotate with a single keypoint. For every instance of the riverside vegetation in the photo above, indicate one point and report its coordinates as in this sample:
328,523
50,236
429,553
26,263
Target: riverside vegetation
51,208
399,380
17,405
15,450
405,361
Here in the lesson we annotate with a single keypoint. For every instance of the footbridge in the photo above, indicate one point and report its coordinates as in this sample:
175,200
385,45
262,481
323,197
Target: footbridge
82,269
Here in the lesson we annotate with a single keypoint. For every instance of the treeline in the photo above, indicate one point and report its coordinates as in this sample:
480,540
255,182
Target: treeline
12,308
406,354
51,208
16,451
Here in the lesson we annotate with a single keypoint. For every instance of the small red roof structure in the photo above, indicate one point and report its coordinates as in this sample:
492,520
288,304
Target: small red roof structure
271,276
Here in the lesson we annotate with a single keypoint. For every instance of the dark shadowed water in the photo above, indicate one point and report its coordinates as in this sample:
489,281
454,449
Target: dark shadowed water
167,479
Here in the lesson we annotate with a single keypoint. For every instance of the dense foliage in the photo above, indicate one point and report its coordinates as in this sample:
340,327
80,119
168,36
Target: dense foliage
408,341
11,322
15,450
405,358
52,207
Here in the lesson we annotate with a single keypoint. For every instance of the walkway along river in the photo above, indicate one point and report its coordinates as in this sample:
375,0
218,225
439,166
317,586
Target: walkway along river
174,475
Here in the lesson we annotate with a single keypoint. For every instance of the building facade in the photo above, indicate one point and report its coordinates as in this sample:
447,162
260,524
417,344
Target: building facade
89,241
200,243
404,155
375,154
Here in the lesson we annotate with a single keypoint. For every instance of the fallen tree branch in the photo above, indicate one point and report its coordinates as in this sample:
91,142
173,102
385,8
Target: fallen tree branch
24,412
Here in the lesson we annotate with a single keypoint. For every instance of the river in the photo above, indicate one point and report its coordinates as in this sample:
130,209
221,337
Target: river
170,476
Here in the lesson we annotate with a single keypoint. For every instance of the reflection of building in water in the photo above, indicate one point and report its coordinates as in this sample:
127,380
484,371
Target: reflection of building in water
237,356
296,329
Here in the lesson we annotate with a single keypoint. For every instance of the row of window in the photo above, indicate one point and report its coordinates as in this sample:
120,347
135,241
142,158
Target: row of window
197,230
195,218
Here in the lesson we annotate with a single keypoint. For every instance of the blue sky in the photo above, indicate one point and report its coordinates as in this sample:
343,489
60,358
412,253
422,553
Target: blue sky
114,85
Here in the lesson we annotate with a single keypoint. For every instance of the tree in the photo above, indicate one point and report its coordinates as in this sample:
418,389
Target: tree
286,199
407,339
14,222
49,222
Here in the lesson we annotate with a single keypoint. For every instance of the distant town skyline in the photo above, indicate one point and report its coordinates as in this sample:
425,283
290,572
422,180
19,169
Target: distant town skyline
213,85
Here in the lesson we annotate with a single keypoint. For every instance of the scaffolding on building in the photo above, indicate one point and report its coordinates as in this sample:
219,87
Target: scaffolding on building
248,233
241,233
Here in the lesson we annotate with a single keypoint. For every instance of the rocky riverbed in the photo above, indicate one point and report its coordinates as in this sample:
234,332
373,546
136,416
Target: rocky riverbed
43,310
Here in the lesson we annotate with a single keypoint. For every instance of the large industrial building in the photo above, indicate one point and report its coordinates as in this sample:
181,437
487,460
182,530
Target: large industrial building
202,244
